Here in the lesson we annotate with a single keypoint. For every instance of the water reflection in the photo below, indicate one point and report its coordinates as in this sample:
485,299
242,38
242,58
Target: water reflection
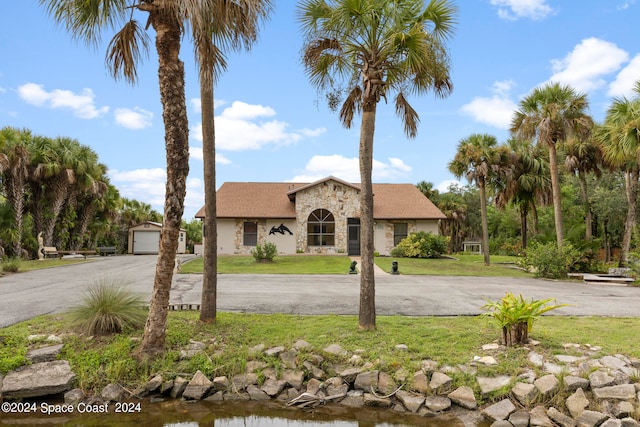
245,414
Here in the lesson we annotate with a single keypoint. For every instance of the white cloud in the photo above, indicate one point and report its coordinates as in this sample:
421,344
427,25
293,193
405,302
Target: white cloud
625,5
145,185
515,9
443,187
136,118
626,79
495,111
82,105
196,153
239,127
348,169
584,67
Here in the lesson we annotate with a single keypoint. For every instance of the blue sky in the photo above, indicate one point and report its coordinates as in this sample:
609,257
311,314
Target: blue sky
271,125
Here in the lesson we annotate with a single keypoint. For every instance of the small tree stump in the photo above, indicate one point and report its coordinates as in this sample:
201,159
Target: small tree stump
515,334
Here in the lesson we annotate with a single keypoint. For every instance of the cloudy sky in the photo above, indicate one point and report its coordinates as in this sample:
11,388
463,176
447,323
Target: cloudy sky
271,124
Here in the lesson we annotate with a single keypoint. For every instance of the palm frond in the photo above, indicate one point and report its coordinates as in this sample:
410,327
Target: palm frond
125,51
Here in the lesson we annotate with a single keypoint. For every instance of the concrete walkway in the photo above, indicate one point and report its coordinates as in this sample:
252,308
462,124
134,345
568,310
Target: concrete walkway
376,270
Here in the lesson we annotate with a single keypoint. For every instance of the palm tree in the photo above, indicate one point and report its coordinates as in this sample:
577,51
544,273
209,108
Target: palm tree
14,161
369,49
229,25
480,160
583,156
551,114
620,139
87,21
528,184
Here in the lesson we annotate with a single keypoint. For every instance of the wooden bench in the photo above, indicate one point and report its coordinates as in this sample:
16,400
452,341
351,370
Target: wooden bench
83,253
106,250
50,252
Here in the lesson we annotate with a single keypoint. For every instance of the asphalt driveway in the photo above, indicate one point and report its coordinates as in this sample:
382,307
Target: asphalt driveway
29,294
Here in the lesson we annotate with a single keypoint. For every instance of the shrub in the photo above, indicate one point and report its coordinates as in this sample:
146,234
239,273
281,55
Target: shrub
420,245
109,307
11,265
515,316
265,253
549,261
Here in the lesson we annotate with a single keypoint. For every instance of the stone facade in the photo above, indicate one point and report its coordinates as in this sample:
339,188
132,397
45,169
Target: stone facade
341,200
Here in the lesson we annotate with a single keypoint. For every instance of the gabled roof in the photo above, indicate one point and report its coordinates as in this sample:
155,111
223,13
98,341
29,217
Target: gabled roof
277,200
292,192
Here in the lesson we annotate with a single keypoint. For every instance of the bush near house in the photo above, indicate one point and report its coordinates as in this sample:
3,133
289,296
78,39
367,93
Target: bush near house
420,245
549,261
265,253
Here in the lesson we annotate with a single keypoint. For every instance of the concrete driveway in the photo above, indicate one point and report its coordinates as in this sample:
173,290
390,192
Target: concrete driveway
25,295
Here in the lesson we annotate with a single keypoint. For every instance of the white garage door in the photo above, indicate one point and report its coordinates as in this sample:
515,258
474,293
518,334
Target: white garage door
146,242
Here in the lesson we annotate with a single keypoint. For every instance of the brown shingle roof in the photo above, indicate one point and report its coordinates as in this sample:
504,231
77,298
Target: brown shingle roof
271,200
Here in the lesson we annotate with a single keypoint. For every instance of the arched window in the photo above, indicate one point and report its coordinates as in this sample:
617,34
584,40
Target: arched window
321,228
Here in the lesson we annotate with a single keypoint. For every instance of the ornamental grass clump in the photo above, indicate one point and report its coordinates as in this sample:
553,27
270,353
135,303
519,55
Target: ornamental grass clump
109,307
515,315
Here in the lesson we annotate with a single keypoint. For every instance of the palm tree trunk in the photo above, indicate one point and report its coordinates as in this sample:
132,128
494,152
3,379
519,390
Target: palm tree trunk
631,186
367,313
587,208
172,96
523,223
485,223
208,307
555,188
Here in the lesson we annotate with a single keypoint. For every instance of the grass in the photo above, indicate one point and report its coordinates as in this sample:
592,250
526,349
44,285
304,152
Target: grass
448,340
23,265
461,265
282,264
458,265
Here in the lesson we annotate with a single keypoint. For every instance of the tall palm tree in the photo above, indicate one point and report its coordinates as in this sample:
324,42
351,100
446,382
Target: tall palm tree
529,183
87,21
620,139
480,160
584,156
14,172
369,49
551,114
229,25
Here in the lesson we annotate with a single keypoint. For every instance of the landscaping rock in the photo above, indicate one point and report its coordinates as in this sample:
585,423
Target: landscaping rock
599,379
420,383
620,392
590,419
524,393
572,383
179,385
366,381
490,384
198,387
440,381
44,354
220,383
437,403
274,351
561,419
274,387
464,397
335,349
411,401
256,394
74,396
302,344
289,358
39,379
113,393
538,417
373,400
499,411
519,418
547,385
576,403
294,378
386,384
154,383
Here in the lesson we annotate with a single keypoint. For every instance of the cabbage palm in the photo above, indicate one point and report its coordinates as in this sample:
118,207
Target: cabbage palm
14,173
367,50
551,114
480,160
620,139
87,20
229,25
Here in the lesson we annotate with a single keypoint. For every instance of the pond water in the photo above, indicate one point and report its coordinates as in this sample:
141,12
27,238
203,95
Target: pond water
235,414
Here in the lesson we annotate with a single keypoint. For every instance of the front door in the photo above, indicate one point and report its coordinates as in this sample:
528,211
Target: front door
353,233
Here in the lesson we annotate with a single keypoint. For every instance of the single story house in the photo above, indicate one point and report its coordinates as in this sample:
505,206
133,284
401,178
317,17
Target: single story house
321,217
144,239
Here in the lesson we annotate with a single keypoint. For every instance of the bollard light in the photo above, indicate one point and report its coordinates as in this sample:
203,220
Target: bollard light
394,267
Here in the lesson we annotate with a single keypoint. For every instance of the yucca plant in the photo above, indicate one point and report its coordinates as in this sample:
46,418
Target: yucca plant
516,316
109,307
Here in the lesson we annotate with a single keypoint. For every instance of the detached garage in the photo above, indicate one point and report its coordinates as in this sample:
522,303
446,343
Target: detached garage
144,239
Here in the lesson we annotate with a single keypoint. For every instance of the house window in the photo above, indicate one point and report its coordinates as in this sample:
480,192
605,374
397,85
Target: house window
250,234
399,232
321,228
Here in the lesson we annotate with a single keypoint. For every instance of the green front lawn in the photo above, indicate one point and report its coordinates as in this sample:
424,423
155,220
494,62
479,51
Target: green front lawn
292,264
457,265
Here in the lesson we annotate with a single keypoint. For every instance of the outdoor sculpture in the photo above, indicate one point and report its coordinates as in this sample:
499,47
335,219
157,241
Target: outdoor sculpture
40,246
281,230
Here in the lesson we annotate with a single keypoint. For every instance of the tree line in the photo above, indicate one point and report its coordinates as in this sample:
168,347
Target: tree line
58,187
557,157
